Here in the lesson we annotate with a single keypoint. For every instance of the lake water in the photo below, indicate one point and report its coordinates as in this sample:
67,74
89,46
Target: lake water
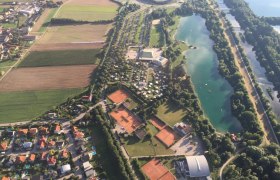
258,70
202,65
265,7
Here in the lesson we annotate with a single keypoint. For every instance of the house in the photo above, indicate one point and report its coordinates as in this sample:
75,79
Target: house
182,128
6,178
59,144
51,161
3,146
81,149
87,166
29,38
87,98
32,158
33,131
10,134
64,154
86,156
78,135
27,145
20,159
44,130
51,144
22,132
65,169
44,155
42,142
4,38
57,129
90,173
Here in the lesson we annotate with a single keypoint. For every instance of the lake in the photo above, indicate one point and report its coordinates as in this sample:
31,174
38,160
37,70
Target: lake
265,7
202,65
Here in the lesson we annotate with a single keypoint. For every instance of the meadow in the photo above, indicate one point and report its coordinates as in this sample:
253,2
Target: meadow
170,113
87,13
60,58
157,36
24,106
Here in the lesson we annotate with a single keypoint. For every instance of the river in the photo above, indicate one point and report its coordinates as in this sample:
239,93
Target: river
258,70
202,65
268,8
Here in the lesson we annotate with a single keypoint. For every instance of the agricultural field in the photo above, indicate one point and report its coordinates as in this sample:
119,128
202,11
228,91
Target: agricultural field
23,106
2,1
60,58
46,78
170,113
44,20
85,10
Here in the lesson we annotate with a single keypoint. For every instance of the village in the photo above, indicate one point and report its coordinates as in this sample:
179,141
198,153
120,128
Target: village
17,20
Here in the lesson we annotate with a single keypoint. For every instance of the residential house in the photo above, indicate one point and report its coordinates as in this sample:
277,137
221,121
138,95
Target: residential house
27,145
20,159
44,130
5,178
87,166
65,169
29,38
64,154
4,38
59,144
10,134
22,132
86,156
57,129
78,135
32,158
51,144
42,142
51,161
44,155
3,146
33,131
90,173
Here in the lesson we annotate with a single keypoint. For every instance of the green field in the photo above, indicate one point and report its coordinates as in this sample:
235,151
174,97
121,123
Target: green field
135,147
87,13
60,58
157,36
170,113
23,106
48,20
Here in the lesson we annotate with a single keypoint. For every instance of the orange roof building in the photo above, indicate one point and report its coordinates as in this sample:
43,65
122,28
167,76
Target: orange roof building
20,159
33,131
5,178
44,130
44,155
78,135
51,143
52,161
22,132
57,129
64,153
32,157
42,142
3,146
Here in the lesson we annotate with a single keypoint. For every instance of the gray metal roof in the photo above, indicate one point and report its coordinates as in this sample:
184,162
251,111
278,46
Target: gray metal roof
198,166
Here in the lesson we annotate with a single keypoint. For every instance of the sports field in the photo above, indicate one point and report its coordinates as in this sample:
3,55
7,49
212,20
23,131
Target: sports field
23,106
167,136
60,58
155,170
126,119
170,113
118,96
88,10
45,78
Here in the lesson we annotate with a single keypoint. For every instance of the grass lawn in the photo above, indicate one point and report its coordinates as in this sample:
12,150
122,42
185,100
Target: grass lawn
48,20
23,106
132,103
87,13
170,113
60,58
146,147
157,36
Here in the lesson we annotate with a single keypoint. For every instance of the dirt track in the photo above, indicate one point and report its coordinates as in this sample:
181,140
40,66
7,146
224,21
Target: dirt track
44,78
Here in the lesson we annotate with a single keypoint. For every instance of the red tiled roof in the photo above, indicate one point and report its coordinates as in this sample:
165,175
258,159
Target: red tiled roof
64,153
32,157
6,178
44,130
57,127
33,131
44,155
22,131
52,160
21,159
51,143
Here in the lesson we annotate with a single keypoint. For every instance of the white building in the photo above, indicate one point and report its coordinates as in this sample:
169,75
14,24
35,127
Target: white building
153,55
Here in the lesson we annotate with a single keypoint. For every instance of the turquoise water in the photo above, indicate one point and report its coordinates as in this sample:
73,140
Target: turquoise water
213,91
265,7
